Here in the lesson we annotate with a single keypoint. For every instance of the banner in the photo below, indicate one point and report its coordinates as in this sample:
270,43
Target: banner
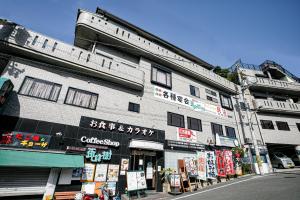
221,163
229,162
186,135
201,167
194,104
211,165
190,166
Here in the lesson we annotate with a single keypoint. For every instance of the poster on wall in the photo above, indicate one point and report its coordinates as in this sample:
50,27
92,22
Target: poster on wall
211,169
201,165
221,163
186,135
175,180
149,171
229,162
190,165
88,187
98,186
124,166
131,181
100,173
77,173
111,186
88,172
113,173
141,180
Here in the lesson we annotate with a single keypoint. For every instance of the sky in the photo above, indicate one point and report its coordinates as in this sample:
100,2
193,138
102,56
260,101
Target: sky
217,31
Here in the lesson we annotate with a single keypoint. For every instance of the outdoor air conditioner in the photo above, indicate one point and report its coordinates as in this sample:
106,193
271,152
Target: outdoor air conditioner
248,141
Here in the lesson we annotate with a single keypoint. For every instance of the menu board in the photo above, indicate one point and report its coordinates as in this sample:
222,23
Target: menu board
201,165
88,172
190,165
113,173
111,186
101,171
124,166
88,187
175,180
211,169
136,180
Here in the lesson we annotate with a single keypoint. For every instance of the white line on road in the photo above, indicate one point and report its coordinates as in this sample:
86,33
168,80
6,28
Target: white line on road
218,187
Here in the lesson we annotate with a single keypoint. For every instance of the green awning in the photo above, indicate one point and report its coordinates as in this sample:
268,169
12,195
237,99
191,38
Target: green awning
11,158
2,81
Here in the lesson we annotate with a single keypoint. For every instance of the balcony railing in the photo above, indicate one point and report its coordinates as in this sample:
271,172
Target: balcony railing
25,41
116,32
276,106
277,84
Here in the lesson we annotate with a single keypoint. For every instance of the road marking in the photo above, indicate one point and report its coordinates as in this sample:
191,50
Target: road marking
217,187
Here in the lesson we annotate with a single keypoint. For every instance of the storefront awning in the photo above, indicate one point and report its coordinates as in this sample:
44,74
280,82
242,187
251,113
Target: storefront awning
145,144
11,158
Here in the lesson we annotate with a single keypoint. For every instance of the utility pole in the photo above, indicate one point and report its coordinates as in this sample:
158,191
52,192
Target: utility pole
253,137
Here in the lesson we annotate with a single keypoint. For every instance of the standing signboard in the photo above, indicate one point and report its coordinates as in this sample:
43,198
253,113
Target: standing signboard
190,166
136,180
201,167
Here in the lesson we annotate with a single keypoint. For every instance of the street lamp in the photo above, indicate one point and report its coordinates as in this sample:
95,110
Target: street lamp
244,86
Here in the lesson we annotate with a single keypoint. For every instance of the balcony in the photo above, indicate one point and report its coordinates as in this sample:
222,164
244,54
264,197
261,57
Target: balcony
276,106
93,27
22,42
278,86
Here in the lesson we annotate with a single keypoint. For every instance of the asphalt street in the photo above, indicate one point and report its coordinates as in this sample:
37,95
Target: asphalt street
277,186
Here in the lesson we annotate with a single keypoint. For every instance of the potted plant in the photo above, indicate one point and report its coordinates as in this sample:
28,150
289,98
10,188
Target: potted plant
165,178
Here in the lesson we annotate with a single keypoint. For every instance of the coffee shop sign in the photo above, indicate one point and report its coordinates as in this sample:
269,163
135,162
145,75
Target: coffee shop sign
94,140
121,128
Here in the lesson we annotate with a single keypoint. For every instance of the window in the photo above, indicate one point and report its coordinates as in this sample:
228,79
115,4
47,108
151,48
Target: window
212,99
267,124
161,77
230,132
41,89
194,91
226,102
282,126
217,129
134,107
175,120
211,92
194,124
298,126
243,106
81,98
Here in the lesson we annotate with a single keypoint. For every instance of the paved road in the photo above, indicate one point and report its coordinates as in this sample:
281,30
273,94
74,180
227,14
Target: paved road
283,185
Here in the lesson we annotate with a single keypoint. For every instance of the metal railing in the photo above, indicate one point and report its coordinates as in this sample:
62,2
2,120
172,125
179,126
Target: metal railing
277,106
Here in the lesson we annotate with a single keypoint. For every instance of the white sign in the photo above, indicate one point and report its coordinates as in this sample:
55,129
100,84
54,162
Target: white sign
194,104
88,172
101,171
201,165
186,135
136,180
226,141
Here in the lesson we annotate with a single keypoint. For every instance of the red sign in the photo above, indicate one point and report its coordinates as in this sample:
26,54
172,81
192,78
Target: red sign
186,135
221,163
229,162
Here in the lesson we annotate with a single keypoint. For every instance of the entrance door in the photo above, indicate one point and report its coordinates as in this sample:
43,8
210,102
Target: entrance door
145,161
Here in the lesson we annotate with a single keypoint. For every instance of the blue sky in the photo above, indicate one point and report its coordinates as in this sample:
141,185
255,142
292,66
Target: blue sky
217,31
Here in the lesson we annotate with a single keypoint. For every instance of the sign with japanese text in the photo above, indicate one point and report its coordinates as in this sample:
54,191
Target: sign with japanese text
101,172
186,135
194,104
226,141
221,163
25,140
116,127
175,180
98,157
88,172
180,145
201,165
211,169
190,166
113,173
229,162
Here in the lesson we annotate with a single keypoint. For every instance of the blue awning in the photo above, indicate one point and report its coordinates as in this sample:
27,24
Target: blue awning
2,81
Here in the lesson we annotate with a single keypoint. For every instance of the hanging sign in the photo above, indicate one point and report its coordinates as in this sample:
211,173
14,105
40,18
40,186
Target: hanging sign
201,161
211,169
98,157
25,140
221,163
186,135
194,104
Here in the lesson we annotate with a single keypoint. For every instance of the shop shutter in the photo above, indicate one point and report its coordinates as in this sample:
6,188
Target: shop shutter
23,181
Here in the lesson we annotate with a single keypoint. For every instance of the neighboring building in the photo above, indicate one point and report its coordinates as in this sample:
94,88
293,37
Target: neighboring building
274,97
153,102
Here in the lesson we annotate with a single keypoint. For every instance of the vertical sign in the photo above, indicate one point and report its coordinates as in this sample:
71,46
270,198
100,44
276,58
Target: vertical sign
221,163
211,165
201,167
190,165
229,162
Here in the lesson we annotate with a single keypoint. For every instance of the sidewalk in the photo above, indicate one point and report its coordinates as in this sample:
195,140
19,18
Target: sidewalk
297,168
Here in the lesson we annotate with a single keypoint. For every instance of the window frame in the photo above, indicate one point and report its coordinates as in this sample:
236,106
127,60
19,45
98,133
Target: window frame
227,130
169,122
88,92
262,123
279,127
134,106
189,124
164,70
298,126
212,99
194,88
211,92
45,81
213,130
222,102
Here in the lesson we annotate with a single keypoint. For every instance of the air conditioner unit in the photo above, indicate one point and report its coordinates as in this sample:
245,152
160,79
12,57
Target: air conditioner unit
248,141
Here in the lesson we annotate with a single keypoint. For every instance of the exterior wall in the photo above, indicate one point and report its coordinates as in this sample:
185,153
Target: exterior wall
112,101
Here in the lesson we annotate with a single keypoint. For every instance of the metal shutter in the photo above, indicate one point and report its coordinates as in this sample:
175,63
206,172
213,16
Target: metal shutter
23,181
